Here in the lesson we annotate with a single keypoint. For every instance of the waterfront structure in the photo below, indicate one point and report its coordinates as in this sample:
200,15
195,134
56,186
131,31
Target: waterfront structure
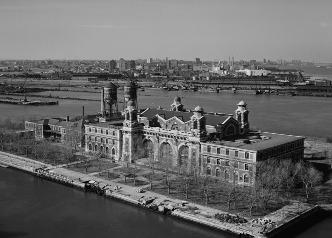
219,145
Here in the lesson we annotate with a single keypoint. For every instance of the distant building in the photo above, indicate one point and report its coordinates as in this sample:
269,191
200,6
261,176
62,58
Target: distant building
198,61
149,61
131,64
254,72
112,65
201,67
122,64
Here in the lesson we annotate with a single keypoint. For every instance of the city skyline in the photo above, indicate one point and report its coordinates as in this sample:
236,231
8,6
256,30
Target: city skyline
210,30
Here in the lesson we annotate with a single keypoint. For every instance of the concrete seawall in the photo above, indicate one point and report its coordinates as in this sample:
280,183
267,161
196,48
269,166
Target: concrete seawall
279,221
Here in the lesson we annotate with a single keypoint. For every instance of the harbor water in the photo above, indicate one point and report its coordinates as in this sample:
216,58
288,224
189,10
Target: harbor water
308,116
33,207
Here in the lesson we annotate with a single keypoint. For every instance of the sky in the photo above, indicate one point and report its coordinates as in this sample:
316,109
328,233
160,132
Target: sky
177,29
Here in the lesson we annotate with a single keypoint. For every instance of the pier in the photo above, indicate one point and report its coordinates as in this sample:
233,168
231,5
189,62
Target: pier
27,102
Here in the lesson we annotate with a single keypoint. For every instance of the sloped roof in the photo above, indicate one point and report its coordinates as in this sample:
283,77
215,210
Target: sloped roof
212,120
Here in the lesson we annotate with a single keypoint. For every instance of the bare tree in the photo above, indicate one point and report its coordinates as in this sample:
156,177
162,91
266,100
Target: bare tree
308,175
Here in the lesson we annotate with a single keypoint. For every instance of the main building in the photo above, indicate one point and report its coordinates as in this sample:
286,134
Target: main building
214,144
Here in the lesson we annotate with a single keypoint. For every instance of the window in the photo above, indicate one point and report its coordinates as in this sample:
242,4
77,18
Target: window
218,150
208,171
246,178
218,161
106,132
226,163
227,151
101,131
106,141
208,160
246,155
113,133
246,167
95,138
236,153
95,130
102,140
89,129
209,149
89,137
218,172
226,175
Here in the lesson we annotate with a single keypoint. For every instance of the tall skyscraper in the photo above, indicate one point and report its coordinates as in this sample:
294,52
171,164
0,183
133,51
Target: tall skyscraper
122,64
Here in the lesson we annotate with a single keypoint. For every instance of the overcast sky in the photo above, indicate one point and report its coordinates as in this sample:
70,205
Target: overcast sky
180,29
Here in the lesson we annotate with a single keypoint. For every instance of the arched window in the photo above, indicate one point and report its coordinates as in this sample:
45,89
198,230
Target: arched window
89,137
101,149
246,167
183,156
107,150
113,153
175,127
148,149
218,172
236,177
90,147
96,147
226,175
246,178
208,171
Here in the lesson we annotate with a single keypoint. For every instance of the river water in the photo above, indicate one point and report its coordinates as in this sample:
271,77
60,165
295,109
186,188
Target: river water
31,207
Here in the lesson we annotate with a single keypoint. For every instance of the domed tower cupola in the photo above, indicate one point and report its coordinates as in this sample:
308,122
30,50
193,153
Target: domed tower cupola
198,122
177,105
130,93
241,115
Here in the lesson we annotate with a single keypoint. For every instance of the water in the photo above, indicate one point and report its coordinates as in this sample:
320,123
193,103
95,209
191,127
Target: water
308,116
32,207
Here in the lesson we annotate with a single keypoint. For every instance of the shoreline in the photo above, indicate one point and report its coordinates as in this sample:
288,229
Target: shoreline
273,224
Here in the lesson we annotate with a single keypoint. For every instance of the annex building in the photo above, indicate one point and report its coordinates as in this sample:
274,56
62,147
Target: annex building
215,144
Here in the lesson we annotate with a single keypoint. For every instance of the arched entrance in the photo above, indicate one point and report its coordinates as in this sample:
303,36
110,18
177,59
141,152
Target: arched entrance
183,156
166,153
148,149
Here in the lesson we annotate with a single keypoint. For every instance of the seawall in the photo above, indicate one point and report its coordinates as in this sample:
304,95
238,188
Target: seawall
269,226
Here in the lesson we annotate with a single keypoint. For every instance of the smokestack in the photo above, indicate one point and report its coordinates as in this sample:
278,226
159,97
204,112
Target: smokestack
67,118
82,110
